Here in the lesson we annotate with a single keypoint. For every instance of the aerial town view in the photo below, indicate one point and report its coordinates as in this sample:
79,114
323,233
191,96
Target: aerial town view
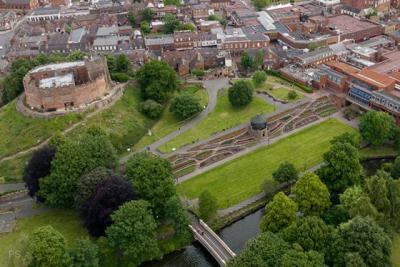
200,133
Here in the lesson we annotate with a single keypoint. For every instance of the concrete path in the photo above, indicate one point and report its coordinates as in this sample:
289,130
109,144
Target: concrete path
11,187
212,87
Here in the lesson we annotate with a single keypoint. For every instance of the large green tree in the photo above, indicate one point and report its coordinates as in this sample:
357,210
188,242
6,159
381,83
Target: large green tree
259,77
286,172
185,106
171,23
295,258
363,236
46,247
157,80
151,176
147,14
264,250
376,188
376,127
356,202
311,233
240,93
246,61
133,232
311,195
279,213
207,205
83,253
75,157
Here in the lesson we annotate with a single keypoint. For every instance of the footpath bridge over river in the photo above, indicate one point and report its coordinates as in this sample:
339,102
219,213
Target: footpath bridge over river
212,242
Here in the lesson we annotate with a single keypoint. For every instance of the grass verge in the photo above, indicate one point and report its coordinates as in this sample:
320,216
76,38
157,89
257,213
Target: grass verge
396,251
243,177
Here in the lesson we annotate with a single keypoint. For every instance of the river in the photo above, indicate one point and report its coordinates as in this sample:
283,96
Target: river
234,235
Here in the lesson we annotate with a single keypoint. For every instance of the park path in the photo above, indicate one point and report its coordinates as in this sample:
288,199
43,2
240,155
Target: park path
212,87
66,130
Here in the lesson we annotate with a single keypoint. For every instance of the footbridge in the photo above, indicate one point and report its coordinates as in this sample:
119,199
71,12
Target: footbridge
212,242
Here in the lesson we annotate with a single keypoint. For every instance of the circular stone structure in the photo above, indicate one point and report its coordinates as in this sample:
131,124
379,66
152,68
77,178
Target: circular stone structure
67,86
258,126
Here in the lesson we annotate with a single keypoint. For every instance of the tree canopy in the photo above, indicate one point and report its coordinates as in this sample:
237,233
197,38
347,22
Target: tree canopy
107,197
279,213
157,80
83,253
151,175
133,231
376,127
311,195
38,167
356,202
259,77
185,106
207,205
75,157
286,172
240,93
171,23
46,247
363,236
295,258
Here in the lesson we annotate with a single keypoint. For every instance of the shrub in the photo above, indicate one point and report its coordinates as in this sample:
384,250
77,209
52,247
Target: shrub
151,109
185,106
259,77
119,77
241,93
292,95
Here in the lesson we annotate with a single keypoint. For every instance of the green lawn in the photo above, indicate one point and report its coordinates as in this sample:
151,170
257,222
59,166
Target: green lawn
168,123
12,170
281,93
243,177
67,222
123,121
396,251
224,116
18,132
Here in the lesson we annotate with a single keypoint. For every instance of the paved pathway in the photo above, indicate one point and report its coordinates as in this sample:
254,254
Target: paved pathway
11,187
212,87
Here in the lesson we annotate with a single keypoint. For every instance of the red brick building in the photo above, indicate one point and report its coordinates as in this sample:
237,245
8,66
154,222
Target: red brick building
19,4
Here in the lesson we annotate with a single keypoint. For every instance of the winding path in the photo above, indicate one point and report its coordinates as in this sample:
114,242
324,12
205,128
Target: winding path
212,87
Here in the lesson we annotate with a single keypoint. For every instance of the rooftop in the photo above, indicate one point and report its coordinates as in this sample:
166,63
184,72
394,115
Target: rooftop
347,24
374,78
58,66
57,81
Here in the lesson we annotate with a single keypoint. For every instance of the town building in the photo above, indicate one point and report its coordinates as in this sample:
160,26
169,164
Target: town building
7,20
19,4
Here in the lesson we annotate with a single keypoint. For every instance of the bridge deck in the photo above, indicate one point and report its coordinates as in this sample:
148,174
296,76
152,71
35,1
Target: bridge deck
212,242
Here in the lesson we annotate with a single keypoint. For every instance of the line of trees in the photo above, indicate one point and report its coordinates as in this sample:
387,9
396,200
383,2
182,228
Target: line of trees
335,217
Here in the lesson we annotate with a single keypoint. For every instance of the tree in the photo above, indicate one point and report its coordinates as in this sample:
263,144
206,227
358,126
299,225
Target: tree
295,258
246,61
393,214
46,247
264,250
175,212
395,170
363,236
151,109
145,27
356,202
108,196
350,138
185,106
312,234
133,231
131,18
286,172
258,59
311,194
342,167
259,77
87,184
279,213
83,253
123,63
186,27
151,175
241,93
207,205
170,23
147,14
376,127
353,260
75,157
38,167
376,188
156,80
292,94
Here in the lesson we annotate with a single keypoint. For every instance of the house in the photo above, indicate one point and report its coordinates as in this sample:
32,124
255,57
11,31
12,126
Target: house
7,20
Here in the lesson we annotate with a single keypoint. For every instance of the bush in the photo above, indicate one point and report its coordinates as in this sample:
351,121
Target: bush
207,205
241,93
119,77
151,109
185,106
259,77
198,72
292,95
